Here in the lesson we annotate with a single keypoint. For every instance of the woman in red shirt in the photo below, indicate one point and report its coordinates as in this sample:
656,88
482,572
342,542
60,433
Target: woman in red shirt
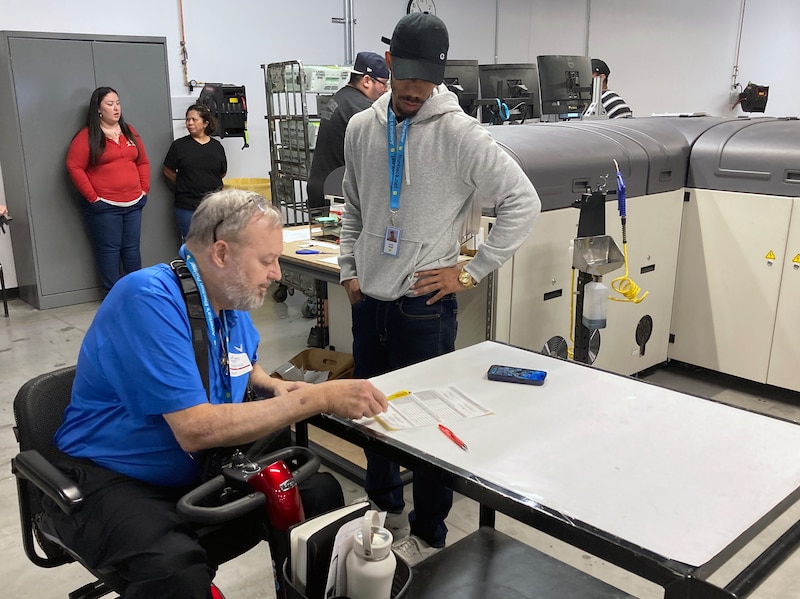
108,164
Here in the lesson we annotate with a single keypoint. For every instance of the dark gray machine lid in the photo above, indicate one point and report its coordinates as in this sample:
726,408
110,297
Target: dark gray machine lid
760,155
692,127
666,148
562,160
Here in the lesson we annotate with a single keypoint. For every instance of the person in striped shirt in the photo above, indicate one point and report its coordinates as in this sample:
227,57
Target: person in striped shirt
613,104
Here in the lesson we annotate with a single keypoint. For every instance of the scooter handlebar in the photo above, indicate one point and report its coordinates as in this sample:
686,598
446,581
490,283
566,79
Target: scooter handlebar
193,506
190,505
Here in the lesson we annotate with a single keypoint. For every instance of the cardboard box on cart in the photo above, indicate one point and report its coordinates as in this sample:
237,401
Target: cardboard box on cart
312,365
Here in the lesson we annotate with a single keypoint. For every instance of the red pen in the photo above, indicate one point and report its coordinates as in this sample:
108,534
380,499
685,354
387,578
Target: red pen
451,435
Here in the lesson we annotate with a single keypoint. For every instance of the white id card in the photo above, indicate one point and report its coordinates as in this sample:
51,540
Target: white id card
239,364
391,241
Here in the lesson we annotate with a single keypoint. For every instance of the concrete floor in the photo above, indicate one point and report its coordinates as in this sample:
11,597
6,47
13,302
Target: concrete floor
33,342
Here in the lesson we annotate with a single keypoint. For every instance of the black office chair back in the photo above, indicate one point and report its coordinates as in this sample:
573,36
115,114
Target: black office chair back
38,412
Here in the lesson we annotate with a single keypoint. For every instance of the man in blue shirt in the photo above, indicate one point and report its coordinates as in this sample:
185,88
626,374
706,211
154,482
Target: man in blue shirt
139,411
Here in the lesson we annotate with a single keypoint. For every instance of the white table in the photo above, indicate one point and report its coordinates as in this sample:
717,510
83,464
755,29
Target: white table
665,484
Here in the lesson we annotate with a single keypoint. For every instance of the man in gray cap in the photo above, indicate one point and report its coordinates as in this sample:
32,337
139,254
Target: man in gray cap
613,104
368,82
414,163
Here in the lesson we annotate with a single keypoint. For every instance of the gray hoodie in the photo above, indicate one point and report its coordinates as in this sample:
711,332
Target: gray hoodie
449,159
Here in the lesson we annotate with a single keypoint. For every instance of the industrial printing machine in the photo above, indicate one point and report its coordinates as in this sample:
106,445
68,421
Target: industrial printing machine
709,224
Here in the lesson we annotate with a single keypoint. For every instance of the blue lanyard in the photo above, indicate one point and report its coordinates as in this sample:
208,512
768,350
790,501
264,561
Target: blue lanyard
396,156
213,339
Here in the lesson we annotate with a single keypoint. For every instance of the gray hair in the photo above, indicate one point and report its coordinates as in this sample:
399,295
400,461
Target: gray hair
225,213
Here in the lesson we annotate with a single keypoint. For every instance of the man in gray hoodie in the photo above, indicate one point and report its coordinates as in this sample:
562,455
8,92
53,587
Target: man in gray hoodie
414,162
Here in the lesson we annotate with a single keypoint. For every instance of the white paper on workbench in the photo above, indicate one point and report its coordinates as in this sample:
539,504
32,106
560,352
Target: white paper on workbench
291,235
431,406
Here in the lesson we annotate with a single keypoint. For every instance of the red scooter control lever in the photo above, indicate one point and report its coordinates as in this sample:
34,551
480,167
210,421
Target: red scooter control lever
272,484
283,497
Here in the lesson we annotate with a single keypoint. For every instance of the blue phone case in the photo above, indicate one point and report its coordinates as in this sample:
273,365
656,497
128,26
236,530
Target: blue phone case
512,374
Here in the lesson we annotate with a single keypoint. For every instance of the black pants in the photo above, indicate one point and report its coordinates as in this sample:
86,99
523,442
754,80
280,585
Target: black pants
134,528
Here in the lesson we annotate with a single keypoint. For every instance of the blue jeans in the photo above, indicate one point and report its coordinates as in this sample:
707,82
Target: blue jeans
388,336
184,218
115,236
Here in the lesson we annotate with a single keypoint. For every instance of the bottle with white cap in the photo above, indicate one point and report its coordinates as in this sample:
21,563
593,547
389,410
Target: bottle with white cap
371,563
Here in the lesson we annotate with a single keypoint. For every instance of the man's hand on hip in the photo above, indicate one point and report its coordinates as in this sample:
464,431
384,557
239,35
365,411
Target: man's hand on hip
440,280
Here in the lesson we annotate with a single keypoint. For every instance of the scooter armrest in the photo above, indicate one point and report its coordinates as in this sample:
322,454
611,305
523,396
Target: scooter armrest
34,467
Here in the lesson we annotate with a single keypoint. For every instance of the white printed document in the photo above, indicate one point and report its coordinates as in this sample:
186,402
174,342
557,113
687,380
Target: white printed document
430,406
300,234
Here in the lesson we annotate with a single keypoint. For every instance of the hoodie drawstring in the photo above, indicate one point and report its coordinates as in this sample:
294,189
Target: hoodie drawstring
406,169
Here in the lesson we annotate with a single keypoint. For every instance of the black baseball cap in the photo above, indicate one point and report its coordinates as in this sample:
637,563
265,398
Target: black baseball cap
598,66
419,47
369,63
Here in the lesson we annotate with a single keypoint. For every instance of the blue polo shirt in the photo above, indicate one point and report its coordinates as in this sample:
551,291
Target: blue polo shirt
137,363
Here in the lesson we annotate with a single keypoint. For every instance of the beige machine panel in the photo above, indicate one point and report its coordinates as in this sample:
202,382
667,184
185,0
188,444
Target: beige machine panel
542,285
732,249
653,225
785,355
542,269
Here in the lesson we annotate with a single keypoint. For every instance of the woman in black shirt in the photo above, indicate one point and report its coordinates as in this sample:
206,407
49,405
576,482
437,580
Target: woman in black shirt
195,164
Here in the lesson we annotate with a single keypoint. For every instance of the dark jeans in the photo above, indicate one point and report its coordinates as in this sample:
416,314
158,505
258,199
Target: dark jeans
388,336
184,218
115,236
134,528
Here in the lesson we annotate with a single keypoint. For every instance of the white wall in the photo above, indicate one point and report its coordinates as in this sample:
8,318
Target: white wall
674,56
671,56
770,47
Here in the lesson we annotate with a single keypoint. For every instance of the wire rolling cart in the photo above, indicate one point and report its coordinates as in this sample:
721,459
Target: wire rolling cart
290,145
292,135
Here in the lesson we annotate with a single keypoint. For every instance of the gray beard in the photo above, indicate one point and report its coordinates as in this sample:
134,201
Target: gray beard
241,296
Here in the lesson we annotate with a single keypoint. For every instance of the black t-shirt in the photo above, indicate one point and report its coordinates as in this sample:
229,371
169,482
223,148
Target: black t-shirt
329,151
199,169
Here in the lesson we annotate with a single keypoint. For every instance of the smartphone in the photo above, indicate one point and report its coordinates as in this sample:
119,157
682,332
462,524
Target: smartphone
511,374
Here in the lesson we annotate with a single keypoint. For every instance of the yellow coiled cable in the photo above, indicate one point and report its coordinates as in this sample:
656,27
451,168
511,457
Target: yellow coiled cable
625,286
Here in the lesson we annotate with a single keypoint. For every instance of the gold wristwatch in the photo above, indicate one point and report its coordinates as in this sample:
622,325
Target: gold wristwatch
466,279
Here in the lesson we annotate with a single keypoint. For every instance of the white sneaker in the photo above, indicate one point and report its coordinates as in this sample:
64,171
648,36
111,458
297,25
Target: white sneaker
398,525
414,550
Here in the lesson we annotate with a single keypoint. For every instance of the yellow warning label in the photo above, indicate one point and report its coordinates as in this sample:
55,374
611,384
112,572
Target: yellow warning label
770,255
796,259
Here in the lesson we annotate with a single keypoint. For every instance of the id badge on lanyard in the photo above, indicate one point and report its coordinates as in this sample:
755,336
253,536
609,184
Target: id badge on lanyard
391,241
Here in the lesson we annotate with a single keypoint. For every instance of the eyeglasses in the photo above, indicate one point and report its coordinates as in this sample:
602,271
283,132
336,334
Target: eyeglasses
383,82
255,199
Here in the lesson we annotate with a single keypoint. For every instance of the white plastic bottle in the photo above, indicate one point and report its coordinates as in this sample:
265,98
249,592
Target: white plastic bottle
371,563
595,305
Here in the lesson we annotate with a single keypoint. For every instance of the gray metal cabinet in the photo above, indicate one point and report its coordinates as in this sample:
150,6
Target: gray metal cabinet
45,83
